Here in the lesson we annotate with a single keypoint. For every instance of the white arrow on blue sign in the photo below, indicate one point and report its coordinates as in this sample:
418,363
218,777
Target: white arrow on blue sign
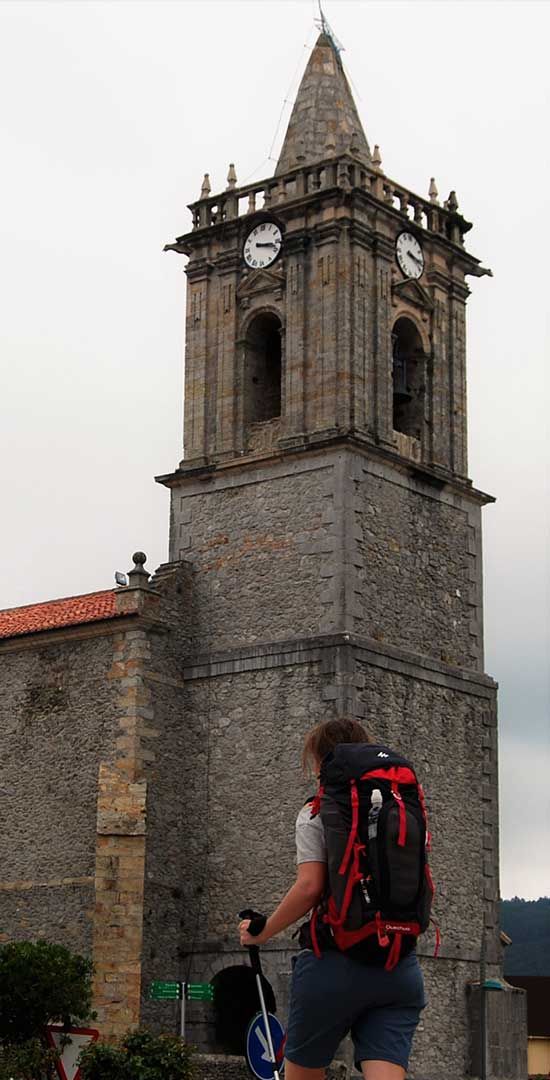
257,1048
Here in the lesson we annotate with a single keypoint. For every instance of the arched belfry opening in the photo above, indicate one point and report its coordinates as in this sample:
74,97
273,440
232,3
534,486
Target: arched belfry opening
262,370
409,378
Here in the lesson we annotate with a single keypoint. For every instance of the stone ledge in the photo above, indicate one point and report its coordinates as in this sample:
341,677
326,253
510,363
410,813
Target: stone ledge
298,450
230,1067
305,650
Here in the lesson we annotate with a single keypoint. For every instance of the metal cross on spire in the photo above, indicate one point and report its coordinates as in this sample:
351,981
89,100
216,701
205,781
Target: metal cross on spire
325,27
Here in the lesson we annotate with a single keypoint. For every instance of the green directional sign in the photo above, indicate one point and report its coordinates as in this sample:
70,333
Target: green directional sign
165,991
199,992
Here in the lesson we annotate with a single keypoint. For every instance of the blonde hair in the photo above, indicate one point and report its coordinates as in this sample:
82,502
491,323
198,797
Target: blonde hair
326,735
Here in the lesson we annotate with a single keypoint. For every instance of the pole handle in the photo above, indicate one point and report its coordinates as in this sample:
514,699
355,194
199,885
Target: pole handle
255,962
257,923
257,920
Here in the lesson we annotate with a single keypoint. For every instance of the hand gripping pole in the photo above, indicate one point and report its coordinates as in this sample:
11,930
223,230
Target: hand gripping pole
257,923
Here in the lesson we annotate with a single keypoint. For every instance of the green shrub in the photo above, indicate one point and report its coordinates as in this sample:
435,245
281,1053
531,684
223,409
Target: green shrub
27,1061
41,983
100,1061
141,1056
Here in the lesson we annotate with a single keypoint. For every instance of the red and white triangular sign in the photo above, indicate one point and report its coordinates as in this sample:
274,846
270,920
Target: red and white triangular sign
67,1066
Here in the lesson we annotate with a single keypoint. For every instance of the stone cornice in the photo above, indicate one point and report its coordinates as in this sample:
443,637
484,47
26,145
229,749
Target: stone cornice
458,290
305,650
358,231
326,233
352,196
383,245
118,624
307,444
199,269
229,261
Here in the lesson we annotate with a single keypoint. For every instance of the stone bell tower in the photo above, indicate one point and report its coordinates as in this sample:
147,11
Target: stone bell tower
332,537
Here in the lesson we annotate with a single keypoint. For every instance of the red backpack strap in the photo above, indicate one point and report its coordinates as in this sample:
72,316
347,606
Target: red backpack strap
402,836
281,1051
383,938
354,827
437,937
313,933
394,953
315,803
422,801
354,877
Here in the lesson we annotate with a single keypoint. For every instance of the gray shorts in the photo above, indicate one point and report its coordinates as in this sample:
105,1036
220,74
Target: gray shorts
333,995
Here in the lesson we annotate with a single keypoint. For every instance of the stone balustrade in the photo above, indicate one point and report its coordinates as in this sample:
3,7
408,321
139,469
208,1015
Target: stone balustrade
344,173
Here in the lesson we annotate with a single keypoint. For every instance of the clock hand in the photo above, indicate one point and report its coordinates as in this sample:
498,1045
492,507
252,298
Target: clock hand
415,258
260,244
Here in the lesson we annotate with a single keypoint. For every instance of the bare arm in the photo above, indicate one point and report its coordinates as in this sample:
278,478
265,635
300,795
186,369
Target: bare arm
300,898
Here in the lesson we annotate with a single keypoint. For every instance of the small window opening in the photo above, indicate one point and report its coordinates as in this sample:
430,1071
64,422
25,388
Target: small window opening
408,372
262,381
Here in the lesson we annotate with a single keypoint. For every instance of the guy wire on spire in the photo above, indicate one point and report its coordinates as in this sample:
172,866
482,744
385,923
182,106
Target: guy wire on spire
325,28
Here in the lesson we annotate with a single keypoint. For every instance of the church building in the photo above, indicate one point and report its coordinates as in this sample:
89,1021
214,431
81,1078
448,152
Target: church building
325,559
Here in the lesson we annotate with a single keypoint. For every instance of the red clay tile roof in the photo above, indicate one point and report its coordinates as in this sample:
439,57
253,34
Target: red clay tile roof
69,611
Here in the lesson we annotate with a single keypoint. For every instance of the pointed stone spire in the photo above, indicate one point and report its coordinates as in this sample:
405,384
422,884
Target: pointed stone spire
377,158
231,177
433,192
324,112
206,186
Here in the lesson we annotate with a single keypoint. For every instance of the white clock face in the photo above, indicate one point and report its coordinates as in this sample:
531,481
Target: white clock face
262,244
409,255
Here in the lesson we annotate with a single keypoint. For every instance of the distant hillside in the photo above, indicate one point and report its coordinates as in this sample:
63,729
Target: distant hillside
527,922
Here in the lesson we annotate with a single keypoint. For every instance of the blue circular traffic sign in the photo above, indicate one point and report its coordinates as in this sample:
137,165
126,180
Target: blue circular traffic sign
257,1046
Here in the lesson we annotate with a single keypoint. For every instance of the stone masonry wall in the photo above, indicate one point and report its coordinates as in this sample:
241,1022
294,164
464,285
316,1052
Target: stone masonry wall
336,289
137,813
442,727
118,911
234,796
57,721
239,789
257,550
169,864
328,543
80,718
442,731
418,563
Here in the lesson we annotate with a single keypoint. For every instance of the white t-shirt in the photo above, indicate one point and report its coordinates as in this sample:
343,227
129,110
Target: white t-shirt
310,837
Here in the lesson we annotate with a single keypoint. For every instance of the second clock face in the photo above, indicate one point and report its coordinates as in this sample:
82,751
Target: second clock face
262,244
409,255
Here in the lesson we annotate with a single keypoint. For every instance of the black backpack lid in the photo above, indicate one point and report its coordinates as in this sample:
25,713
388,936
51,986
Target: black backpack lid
350,760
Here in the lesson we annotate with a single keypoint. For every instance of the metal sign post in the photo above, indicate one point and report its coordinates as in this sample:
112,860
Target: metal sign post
181,991
182,1012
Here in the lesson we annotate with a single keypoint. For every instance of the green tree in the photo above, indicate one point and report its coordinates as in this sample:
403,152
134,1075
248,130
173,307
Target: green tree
40,983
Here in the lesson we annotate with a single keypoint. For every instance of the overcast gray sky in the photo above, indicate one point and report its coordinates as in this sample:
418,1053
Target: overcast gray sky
110,115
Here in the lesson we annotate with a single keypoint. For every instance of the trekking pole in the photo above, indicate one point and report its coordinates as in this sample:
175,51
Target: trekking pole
257,923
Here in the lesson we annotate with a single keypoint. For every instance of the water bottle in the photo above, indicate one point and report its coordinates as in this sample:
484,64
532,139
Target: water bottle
375,807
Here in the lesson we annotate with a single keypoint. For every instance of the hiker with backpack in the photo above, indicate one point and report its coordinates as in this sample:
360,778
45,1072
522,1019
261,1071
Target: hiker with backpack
363,877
